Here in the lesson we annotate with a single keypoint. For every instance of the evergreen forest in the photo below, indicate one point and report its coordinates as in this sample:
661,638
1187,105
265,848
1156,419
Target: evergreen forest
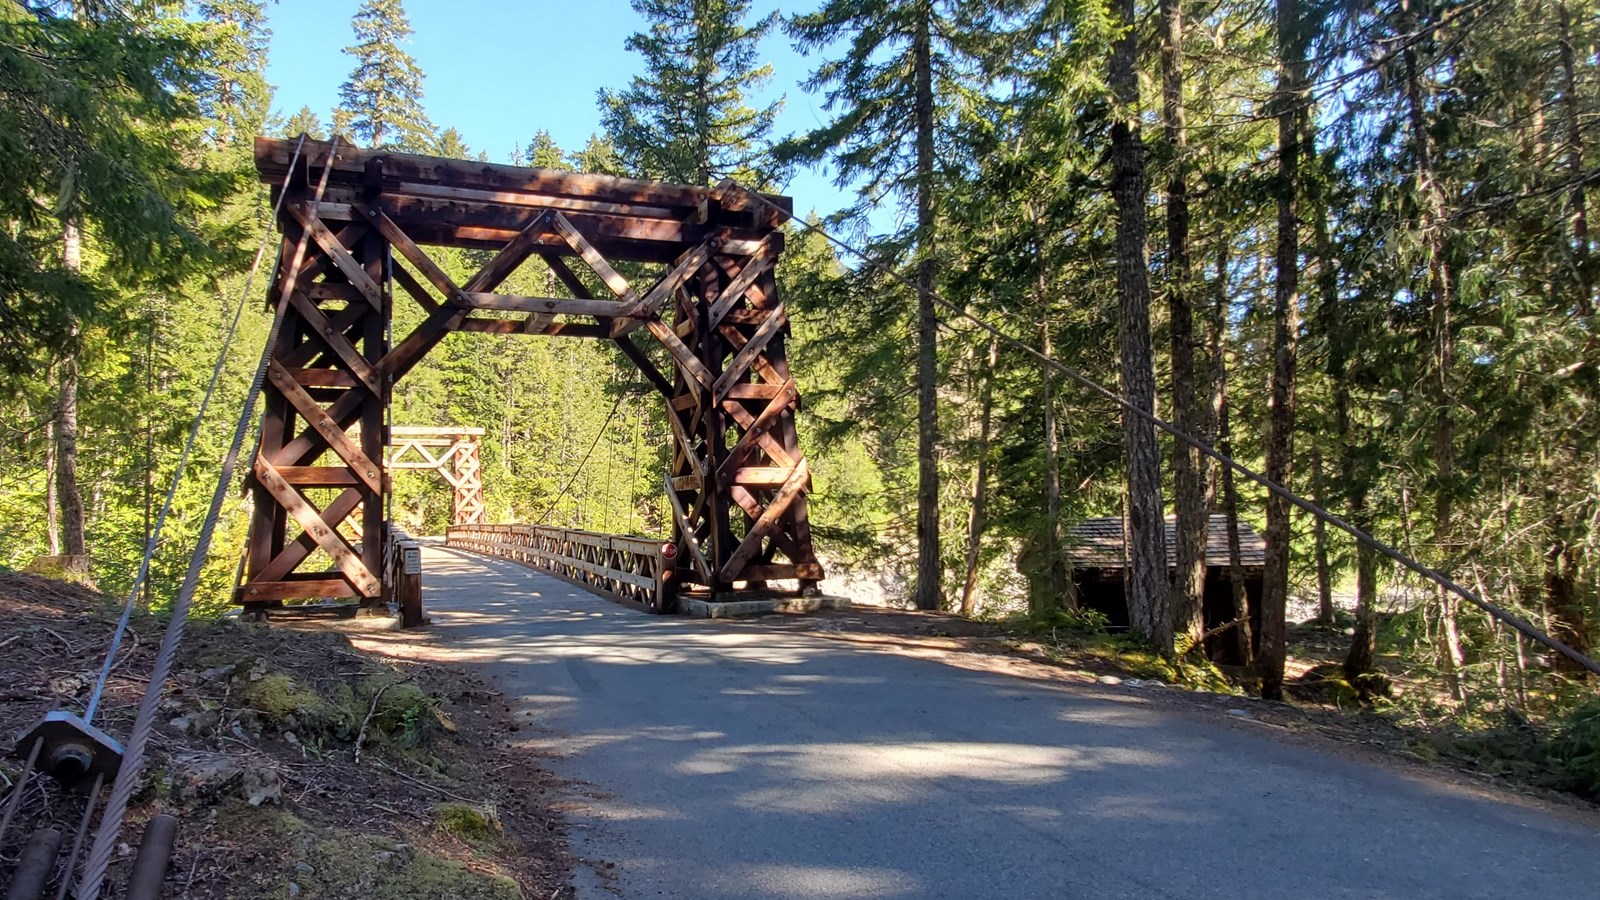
1345,242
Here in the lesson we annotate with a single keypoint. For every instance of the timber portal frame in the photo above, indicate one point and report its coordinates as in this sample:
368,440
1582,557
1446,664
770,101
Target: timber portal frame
355,224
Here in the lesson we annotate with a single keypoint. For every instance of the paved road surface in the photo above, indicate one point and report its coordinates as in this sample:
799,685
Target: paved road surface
725,762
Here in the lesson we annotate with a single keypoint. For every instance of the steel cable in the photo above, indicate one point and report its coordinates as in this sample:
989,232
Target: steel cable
188,447
1433,575
105,839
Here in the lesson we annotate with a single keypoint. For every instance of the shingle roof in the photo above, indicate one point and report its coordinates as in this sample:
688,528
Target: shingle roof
1097,543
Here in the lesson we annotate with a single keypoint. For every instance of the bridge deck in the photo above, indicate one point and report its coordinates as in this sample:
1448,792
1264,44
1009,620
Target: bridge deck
745,760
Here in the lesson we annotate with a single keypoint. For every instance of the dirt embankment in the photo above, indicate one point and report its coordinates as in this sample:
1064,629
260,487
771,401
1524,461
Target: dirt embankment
297,765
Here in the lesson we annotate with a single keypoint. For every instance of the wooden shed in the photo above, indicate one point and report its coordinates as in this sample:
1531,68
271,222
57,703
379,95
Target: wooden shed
1099,568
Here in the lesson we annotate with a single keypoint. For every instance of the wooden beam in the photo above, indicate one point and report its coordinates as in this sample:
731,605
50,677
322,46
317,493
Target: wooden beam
352,270
687,530
793,487
399,240
341,444
586,251
335,340
753,269
326,535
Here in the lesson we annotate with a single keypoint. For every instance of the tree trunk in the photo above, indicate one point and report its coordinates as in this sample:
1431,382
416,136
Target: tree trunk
1244,634
1577,201
979,518
930,593
1286,301
68,497
1440,287
1148,590
1054,560
1358,663
1188,478
52,508
1319,538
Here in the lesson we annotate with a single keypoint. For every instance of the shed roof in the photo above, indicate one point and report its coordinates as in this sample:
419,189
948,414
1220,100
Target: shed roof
1097,543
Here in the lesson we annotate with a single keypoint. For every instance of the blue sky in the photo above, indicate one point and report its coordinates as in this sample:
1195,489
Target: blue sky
499,70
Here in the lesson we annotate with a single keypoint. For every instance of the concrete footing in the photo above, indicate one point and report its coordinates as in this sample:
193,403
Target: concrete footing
733,609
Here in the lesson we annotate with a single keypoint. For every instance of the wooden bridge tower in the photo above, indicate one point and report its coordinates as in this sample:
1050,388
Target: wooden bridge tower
709,333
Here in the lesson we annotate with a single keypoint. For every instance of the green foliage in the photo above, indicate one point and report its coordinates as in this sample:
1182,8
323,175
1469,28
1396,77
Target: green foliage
467,823
383,95
1575,747
687,118
99,125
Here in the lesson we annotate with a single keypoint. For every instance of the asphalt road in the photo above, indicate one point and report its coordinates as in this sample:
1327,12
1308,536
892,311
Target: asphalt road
719,760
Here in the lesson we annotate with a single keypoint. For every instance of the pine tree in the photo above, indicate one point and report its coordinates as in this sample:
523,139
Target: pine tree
544,153
305,122
598,157
885,96
240,97
383,95
688,119
452,145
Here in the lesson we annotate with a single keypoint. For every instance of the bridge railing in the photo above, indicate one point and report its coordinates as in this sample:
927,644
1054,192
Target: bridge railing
402,562
633,569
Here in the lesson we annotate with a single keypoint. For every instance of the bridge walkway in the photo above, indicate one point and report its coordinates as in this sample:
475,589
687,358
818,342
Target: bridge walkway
718,759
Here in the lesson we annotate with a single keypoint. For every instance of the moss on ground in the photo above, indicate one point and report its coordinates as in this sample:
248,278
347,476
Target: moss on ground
467,823
323,863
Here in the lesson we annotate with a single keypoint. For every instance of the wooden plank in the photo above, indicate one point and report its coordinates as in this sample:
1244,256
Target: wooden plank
586,251
304,589
369,473
687,530
751,545
334,338
761,476
520,326
320,476
272,162
688,483
742,360
510,257
326,536
757,431
323,378
336,251
689,264
345,322
297,550
402,242
414,287
753,269
537,200
681,354
763,366
554,305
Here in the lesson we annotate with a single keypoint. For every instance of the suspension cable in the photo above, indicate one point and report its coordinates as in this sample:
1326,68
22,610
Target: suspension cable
105,840
561,494
188,445
1095,387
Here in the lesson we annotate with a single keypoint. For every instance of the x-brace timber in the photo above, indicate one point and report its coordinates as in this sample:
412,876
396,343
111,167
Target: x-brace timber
460,464
737,480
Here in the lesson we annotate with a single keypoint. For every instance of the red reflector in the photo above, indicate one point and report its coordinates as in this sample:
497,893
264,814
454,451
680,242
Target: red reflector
669,551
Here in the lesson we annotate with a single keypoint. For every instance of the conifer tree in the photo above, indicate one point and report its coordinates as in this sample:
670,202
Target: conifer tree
383,95
452,145
885,97
305,122
598,157
687,119
240,97
544,153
